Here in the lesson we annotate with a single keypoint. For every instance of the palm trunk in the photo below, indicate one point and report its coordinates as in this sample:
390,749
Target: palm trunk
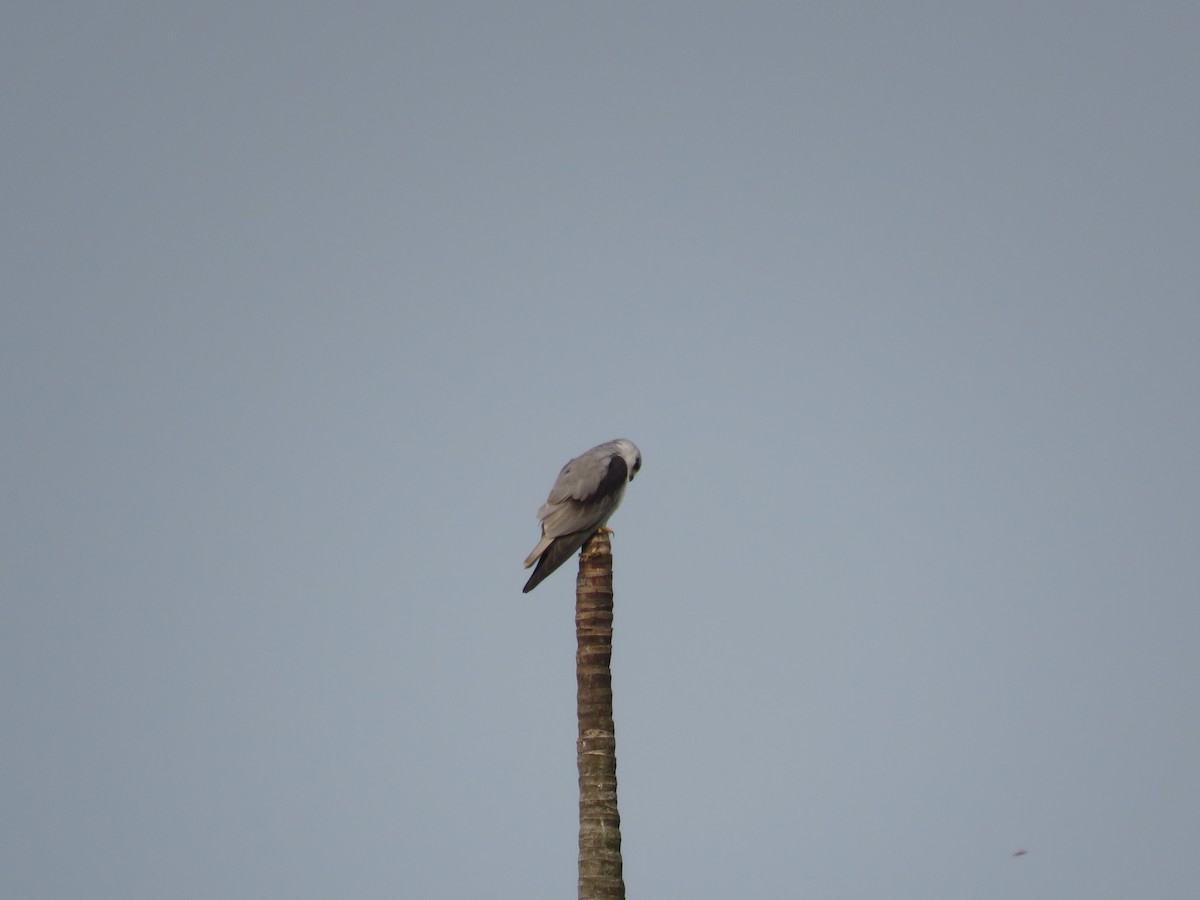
600,875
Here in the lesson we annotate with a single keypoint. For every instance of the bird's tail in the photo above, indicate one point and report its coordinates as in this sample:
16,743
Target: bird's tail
538,550
558,552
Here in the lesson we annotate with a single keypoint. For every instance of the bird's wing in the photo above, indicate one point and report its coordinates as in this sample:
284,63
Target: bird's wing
572,516
588,478
584,496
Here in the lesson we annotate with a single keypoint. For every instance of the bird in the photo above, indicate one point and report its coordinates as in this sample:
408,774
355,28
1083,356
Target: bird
586,493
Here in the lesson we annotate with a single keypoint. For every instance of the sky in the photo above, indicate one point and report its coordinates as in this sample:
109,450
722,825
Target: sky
306,304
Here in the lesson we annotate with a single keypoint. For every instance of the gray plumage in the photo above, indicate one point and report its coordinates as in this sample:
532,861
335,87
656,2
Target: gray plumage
588,490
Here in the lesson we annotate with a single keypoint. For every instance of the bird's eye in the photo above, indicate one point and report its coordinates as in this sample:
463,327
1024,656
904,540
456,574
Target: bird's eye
637,464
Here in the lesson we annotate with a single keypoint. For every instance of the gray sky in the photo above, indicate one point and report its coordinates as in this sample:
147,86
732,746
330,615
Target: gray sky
306,304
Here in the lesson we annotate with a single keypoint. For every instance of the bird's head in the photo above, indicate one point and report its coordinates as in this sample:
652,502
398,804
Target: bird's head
631,454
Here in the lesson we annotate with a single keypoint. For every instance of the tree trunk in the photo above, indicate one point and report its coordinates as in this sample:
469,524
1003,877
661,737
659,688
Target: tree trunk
600,869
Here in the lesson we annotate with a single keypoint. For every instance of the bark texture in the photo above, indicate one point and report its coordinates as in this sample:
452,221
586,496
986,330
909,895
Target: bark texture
600,868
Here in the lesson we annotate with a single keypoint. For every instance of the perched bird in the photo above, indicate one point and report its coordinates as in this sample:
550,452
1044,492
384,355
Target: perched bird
588,490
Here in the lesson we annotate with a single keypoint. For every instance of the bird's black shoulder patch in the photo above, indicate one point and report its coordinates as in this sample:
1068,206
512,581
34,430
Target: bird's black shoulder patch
614,479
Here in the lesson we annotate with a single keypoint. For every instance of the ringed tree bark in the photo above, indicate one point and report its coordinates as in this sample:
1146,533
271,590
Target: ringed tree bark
600,866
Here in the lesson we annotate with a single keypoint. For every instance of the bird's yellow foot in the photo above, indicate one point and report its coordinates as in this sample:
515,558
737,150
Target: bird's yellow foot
604,529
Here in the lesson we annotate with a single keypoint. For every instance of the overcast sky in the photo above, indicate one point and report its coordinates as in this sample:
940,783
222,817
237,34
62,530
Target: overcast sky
305,305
